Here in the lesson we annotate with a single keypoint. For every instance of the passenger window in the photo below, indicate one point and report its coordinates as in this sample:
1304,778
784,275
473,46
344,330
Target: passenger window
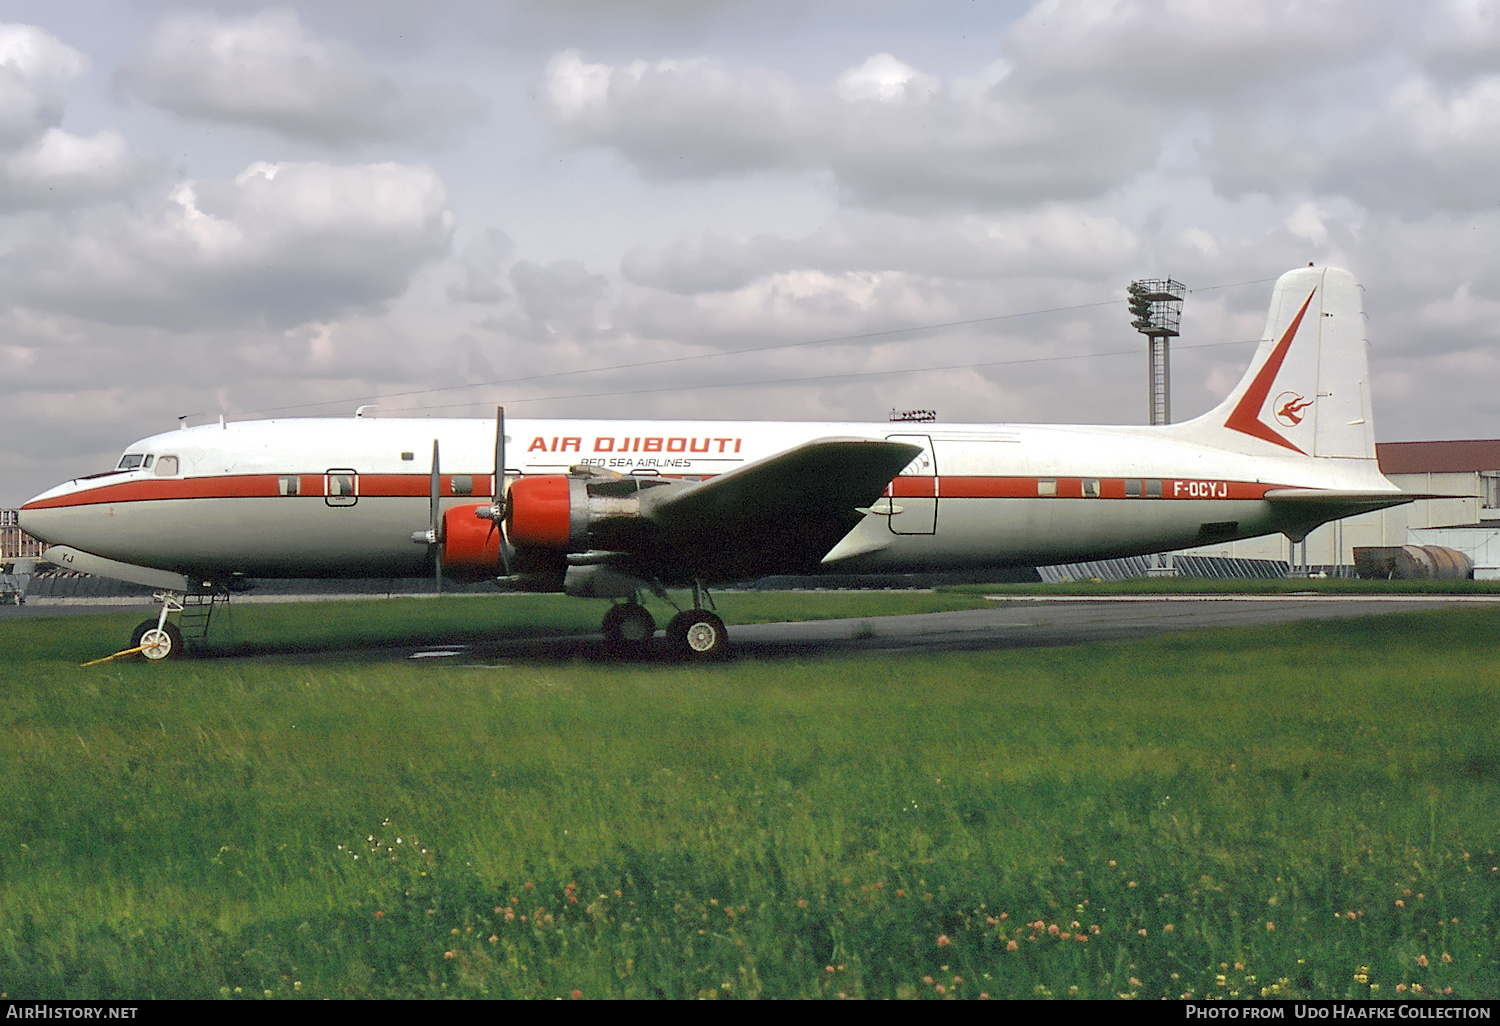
1046,486
166,466
1090,488
1153,489
1132,489
462,484
289,485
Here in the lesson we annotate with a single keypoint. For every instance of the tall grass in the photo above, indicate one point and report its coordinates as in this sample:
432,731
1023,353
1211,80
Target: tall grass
1300,811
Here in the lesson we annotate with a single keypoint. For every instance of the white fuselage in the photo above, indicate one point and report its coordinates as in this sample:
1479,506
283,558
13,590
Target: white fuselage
343,497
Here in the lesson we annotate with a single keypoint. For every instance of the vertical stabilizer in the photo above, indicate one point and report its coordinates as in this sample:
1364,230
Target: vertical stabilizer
1308,388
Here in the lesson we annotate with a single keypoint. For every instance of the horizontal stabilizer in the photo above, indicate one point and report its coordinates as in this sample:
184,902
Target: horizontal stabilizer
1350,501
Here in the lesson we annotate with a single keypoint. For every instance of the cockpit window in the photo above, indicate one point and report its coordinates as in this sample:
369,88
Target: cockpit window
166,466
131,461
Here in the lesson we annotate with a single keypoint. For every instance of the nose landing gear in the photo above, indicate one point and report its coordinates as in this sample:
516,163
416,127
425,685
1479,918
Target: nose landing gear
158,642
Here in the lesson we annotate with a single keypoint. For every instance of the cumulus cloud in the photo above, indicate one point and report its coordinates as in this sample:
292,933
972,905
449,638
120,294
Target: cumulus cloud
35,69
481,267
42,165
892,135
1186,51
884,79
1418,147
873,272
1446,159
560,297
1281,97
268,71
278,245
1459,38
59,169
680,119
1051,239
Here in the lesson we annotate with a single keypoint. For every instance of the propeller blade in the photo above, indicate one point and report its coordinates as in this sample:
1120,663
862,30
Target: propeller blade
434,532
498,482
498,511
499,486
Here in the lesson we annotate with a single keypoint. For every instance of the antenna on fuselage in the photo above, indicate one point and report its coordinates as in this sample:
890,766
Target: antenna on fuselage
359,411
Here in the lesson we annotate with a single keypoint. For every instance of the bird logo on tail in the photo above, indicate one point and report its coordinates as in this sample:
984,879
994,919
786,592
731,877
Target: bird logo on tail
1245,417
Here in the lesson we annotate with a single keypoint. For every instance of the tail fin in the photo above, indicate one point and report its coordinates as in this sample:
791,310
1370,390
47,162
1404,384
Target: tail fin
1308,388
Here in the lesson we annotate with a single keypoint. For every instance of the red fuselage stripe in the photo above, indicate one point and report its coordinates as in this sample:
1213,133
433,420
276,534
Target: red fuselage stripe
252,486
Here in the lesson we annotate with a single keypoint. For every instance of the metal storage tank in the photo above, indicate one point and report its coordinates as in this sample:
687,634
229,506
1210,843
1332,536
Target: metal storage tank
1412,563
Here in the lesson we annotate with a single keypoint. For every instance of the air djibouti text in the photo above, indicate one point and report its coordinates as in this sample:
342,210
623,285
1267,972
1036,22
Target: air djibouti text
637,443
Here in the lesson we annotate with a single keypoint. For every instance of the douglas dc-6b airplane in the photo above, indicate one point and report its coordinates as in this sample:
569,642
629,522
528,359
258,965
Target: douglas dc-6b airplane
608,508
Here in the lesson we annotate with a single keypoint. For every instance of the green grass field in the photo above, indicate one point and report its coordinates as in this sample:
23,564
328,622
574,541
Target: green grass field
1300,811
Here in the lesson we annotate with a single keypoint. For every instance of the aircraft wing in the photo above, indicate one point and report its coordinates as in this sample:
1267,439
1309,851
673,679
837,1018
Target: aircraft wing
776,515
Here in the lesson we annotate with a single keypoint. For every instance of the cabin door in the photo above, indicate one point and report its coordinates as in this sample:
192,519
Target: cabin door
914,492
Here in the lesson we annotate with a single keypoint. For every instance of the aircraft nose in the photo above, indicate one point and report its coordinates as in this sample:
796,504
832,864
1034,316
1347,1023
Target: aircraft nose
34,522
43,516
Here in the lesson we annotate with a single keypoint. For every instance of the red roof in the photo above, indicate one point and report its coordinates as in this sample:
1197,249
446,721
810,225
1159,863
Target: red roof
1438,457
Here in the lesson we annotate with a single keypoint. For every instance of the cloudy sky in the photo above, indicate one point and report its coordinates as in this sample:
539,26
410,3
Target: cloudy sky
785,209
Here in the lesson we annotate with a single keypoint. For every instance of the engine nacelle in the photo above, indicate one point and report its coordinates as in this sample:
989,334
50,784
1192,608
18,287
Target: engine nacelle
545,514
551,515
471,552
580,511
471,547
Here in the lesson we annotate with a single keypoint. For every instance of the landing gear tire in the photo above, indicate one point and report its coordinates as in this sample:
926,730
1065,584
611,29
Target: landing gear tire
158,643
628,628
698,635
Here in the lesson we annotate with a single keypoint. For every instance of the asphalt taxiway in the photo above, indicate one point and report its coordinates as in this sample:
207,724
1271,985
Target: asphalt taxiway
1009,622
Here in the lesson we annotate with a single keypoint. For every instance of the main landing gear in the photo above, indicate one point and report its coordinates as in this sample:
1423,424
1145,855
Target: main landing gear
628,628
696,634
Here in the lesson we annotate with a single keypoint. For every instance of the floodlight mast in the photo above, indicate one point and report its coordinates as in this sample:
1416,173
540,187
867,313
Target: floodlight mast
1157,306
